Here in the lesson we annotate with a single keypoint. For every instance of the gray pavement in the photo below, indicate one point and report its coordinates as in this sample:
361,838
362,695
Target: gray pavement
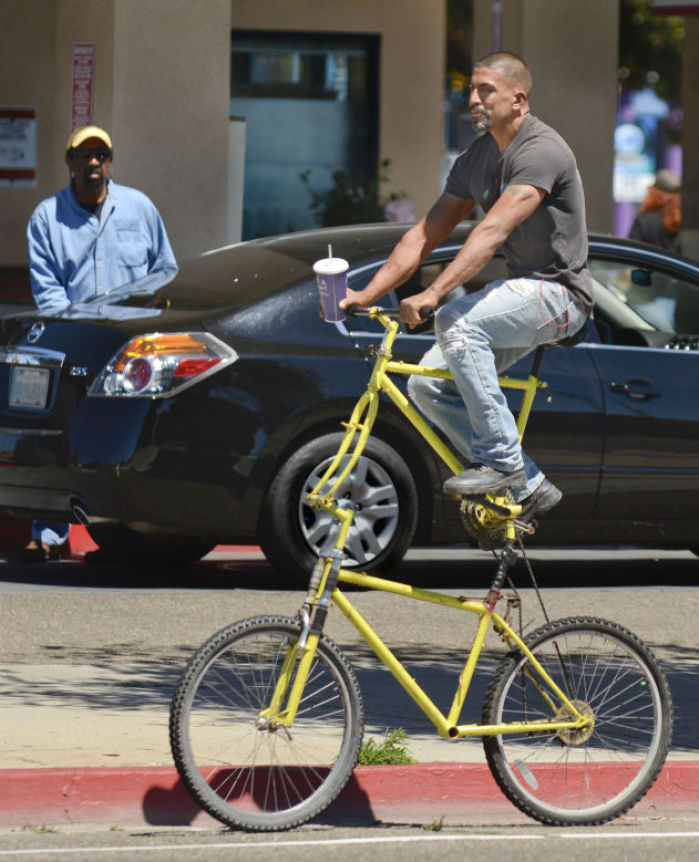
87,669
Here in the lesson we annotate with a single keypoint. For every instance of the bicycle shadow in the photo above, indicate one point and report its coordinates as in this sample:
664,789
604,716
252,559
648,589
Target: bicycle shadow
171,805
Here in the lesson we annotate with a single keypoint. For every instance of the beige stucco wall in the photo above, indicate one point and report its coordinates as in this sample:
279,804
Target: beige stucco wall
27,62
162,89
170,113
411,74
574,88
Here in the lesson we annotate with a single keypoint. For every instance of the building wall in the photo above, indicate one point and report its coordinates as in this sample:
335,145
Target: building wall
162,89
171,89
572,51
27,62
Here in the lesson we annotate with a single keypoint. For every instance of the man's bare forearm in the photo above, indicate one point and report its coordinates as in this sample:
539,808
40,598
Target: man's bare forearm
414,246
516,204
402,263
475,254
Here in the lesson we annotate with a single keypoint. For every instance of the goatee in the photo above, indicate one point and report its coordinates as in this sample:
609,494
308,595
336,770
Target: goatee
481,122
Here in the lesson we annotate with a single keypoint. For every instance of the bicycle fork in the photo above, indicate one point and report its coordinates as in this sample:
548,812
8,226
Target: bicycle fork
300,652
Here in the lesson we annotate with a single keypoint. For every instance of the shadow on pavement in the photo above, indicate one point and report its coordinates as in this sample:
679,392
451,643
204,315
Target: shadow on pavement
474,571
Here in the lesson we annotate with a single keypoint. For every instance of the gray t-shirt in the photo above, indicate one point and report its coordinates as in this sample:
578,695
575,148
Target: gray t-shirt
551,243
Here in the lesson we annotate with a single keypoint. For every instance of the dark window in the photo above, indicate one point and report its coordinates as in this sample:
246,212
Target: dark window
310,104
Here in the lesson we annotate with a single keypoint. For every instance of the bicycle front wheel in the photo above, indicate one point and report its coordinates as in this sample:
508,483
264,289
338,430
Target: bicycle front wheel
590,775
246,771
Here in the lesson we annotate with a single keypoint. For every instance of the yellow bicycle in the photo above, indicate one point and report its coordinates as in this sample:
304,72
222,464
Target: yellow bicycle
267,719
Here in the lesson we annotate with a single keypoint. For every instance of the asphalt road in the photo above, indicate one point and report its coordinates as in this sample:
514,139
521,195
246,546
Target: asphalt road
131,630
676,840
68,610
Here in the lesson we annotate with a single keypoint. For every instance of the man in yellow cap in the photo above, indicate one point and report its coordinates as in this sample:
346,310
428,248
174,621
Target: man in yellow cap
90,237
93,235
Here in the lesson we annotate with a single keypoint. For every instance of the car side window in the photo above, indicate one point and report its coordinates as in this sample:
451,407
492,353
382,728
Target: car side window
644,298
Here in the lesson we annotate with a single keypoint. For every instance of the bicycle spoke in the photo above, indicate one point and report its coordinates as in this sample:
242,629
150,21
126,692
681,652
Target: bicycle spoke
240,763
591,774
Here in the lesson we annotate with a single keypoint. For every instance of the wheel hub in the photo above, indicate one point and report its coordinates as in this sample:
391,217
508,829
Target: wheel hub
576,735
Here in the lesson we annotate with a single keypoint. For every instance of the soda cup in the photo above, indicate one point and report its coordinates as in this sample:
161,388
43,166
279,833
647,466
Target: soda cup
331,275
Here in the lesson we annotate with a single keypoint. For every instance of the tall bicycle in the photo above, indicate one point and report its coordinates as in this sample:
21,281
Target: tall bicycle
267,718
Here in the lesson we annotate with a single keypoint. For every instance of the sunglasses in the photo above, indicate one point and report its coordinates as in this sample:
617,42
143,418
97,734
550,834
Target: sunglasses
84,154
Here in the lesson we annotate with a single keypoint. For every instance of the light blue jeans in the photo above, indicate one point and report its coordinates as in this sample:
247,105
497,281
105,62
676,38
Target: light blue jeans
51,533
478,337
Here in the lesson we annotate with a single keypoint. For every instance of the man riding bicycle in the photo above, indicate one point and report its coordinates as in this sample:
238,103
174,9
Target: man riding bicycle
525,178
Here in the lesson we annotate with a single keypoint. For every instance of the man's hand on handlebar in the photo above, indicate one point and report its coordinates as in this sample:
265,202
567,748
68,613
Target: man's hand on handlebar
354,297
413,311
413,308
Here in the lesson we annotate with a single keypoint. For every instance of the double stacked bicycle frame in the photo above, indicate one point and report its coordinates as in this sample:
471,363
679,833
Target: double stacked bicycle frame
323,586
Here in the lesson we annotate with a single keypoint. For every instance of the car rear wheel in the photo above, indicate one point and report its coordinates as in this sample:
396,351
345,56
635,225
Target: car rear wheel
121,544
381,487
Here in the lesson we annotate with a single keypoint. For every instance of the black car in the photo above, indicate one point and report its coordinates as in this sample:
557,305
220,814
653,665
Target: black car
171,418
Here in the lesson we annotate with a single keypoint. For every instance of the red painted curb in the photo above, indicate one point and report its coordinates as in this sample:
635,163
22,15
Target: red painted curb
155,796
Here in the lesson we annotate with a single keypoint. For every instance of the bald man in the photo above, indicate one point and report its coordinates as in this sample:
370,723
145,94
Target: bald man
525,178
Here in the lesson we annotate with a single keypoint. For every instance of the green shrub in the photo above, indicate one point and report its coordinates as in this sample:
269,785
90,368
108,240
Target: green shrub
393,749
352,199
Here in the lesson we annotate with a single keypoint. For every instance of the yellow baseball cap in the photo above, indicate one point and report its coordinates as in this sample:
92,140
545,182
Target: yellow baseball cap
82,134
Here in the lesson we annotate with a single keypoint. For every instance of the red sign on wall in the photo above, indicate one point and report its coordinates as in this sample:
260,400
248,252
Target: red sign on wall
83,80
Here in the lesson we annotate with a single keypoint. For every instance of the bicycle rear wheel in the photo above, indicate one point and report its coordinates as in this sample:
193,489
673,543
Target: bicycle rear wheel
250,773
573,777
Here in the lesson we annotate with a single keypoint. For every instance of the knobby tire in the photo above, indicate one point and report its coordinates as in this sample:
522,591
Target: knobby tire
264,778
574,778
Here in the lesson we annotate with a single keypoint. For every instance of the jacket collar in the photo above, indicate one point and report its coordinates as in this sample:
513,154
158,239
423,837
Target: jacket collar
107,207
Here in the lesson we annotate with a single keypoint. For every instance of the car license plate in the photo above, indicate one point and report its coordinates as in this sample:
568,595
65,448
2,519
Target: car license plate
29,387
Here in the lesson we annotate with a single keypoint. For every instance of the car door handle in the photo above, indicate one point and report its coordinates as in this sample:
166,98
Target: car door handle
634,395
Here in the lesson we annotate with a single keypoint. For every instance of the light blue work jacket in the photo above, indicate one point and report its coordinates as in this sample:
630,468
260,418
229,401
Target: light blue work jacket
75,256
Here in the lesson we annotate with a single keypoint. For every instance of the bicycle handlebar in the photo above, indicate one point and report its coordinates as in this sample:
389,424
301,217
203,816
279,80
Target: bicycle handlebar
426,313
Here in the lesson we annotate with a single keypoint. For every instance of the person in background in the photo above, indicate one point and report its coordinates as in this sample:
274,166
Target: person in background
660,216
88,238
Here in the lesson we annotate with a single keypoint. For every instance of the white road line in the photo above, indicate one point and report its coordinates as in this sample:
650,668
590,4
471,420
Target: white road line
405,839
629,834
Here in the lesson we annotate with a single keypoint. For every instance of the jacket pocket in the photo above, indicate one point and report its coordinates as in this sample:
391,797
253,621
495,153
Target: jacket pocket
133,248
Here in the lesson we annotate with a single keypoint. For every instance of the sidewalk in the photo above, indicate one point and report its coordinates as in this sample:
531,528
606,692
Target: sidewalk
64,761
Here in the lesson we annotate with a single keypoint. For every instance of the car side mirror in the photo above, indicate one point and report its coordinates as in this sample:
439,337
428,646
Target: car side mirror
641,277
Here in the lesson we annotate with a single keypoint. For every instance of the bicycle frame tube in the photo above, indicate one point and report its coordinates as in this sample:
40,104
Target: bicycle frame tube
364,415
447,725
358,431
286,715
411,414
529,388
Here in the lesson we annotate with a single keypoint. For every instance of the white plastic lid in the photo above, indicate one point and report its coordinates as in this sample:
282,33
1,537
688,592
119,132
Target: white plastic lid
331,265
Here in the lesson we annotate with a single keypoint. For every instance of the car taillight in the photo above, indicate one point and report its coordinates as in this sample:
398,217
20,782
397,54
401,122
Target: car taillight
161,364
